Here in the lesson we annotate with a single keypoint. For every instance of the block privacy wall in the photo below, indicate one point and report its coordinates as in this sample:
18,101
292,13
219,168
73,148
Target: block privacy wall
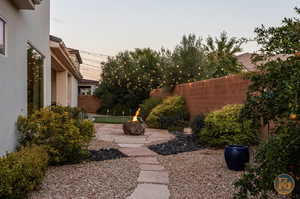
209,95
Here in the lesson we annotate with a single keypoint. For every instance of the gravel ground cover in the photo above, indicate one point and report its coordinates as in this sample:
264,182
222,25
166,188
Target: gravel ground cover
182,143
199,174
113,179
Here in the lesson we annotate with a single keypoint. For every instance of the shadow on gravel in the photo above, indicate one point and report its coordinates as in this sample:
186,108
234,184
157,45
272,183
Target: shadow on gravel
106,154
182,143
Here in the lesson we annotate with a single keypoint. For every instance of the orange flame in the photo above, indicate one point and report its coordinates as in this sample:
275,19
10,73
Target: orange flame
135,118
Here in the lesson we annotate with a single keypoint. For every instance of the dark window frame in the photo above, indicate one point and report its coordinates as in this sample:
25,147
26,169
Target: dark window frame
3,22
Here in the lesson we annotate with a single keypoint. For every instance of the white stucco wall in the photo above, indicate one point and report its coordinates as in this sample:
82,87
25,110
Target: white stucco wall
22,26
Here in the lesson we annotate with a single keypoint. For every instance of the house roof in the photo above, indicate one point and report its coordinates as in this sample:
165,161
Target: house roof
61,55
55,39
26,4
246,60
88,81
77,53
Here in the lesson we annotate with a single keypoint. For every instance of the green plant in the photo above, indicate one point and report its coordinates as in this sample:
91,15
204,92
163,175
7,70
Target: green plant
148,105
172,107
223,127
87,130
274,97
118,90
22,172
198,123
74,112
112,119
186,63
64,138
278,155
221,55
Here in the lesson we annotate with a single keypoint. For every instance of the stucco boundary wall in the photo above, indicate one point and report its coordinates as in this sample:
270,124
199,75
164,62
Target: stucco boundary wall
209,95
89,103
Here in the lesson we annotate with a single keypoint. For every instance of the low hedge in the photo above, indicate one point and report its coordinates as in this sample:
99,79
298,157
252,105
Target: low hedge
65,138
171,113
223,127
22,171
148,105
74,112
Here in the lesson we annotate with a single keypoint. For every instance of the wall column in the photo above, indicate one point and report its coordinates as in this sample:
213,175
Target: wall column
62,88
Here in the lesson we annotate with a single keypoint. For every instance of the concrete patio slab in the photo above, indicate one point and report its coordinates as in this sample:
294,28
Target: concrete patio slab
155,177
150,191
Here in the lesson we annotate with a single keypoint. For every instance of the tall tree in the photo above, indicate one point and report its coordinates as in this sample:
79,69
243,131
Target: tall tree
187,62
221,55
127,80
284,39
273,97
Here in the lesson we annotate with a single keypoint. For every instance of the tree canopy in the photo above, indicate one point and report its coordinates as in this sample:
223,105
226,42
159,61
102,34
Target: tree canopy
128,78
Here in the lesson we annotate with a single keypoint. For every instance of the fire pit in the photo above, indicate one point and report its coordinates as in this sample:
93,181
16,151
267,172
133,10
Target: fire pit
134,127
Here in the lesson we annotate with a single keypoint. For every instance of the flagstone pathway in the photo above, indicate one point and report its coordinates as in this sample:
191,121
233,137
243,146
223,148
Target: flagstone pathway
153,179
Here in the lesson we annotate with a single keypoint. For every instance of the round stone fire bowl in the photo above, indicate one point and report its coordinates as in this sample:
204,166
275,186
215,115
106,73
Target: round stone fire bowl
133,128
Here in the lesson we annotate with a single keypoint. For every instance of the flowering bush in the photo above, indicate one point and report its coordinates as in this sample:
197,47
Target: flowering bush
64,137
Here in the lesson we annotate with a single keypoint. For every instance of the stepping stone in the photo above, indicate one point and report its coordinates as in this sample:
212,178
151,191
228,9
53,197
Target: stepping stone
130,145
138,152
130,140
150,191
109,138
147,160
155,177
151,167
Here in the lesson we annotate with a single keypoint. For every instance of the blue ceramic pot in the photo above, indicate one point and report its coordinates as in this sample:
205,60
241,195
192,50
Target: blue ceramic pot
236,157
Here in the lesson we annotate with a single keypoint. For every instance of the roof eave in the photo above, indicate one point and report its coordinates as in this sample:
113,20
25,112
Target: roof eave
26,4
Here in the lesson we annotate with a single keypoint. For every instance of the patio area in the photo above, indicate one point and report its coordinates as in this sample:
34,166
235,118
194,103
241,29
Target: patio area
143,174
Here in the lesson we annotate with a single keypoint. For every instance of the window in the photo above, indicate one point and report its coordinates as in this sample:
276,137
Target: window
35,80
2,36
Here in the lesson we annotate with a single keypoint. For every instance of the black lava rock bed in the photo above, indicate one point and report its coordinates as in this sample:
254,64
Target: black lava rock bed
106,154
182,143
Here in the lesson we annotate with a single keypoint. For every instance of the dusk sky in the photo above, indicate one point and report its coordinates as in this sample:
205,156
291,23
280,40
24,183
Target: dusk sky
110,26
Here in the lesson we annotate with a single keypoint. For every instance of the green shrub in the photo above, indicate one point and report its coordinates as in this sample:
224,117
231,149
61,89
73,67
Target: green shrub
148,105
223,127
22,172
64,138
278,155
198,123
74,112
87,130
172,109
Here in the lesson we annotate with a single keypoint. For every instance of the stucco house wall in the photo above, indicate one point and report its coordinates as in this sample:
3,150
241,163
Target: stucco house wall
22,27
